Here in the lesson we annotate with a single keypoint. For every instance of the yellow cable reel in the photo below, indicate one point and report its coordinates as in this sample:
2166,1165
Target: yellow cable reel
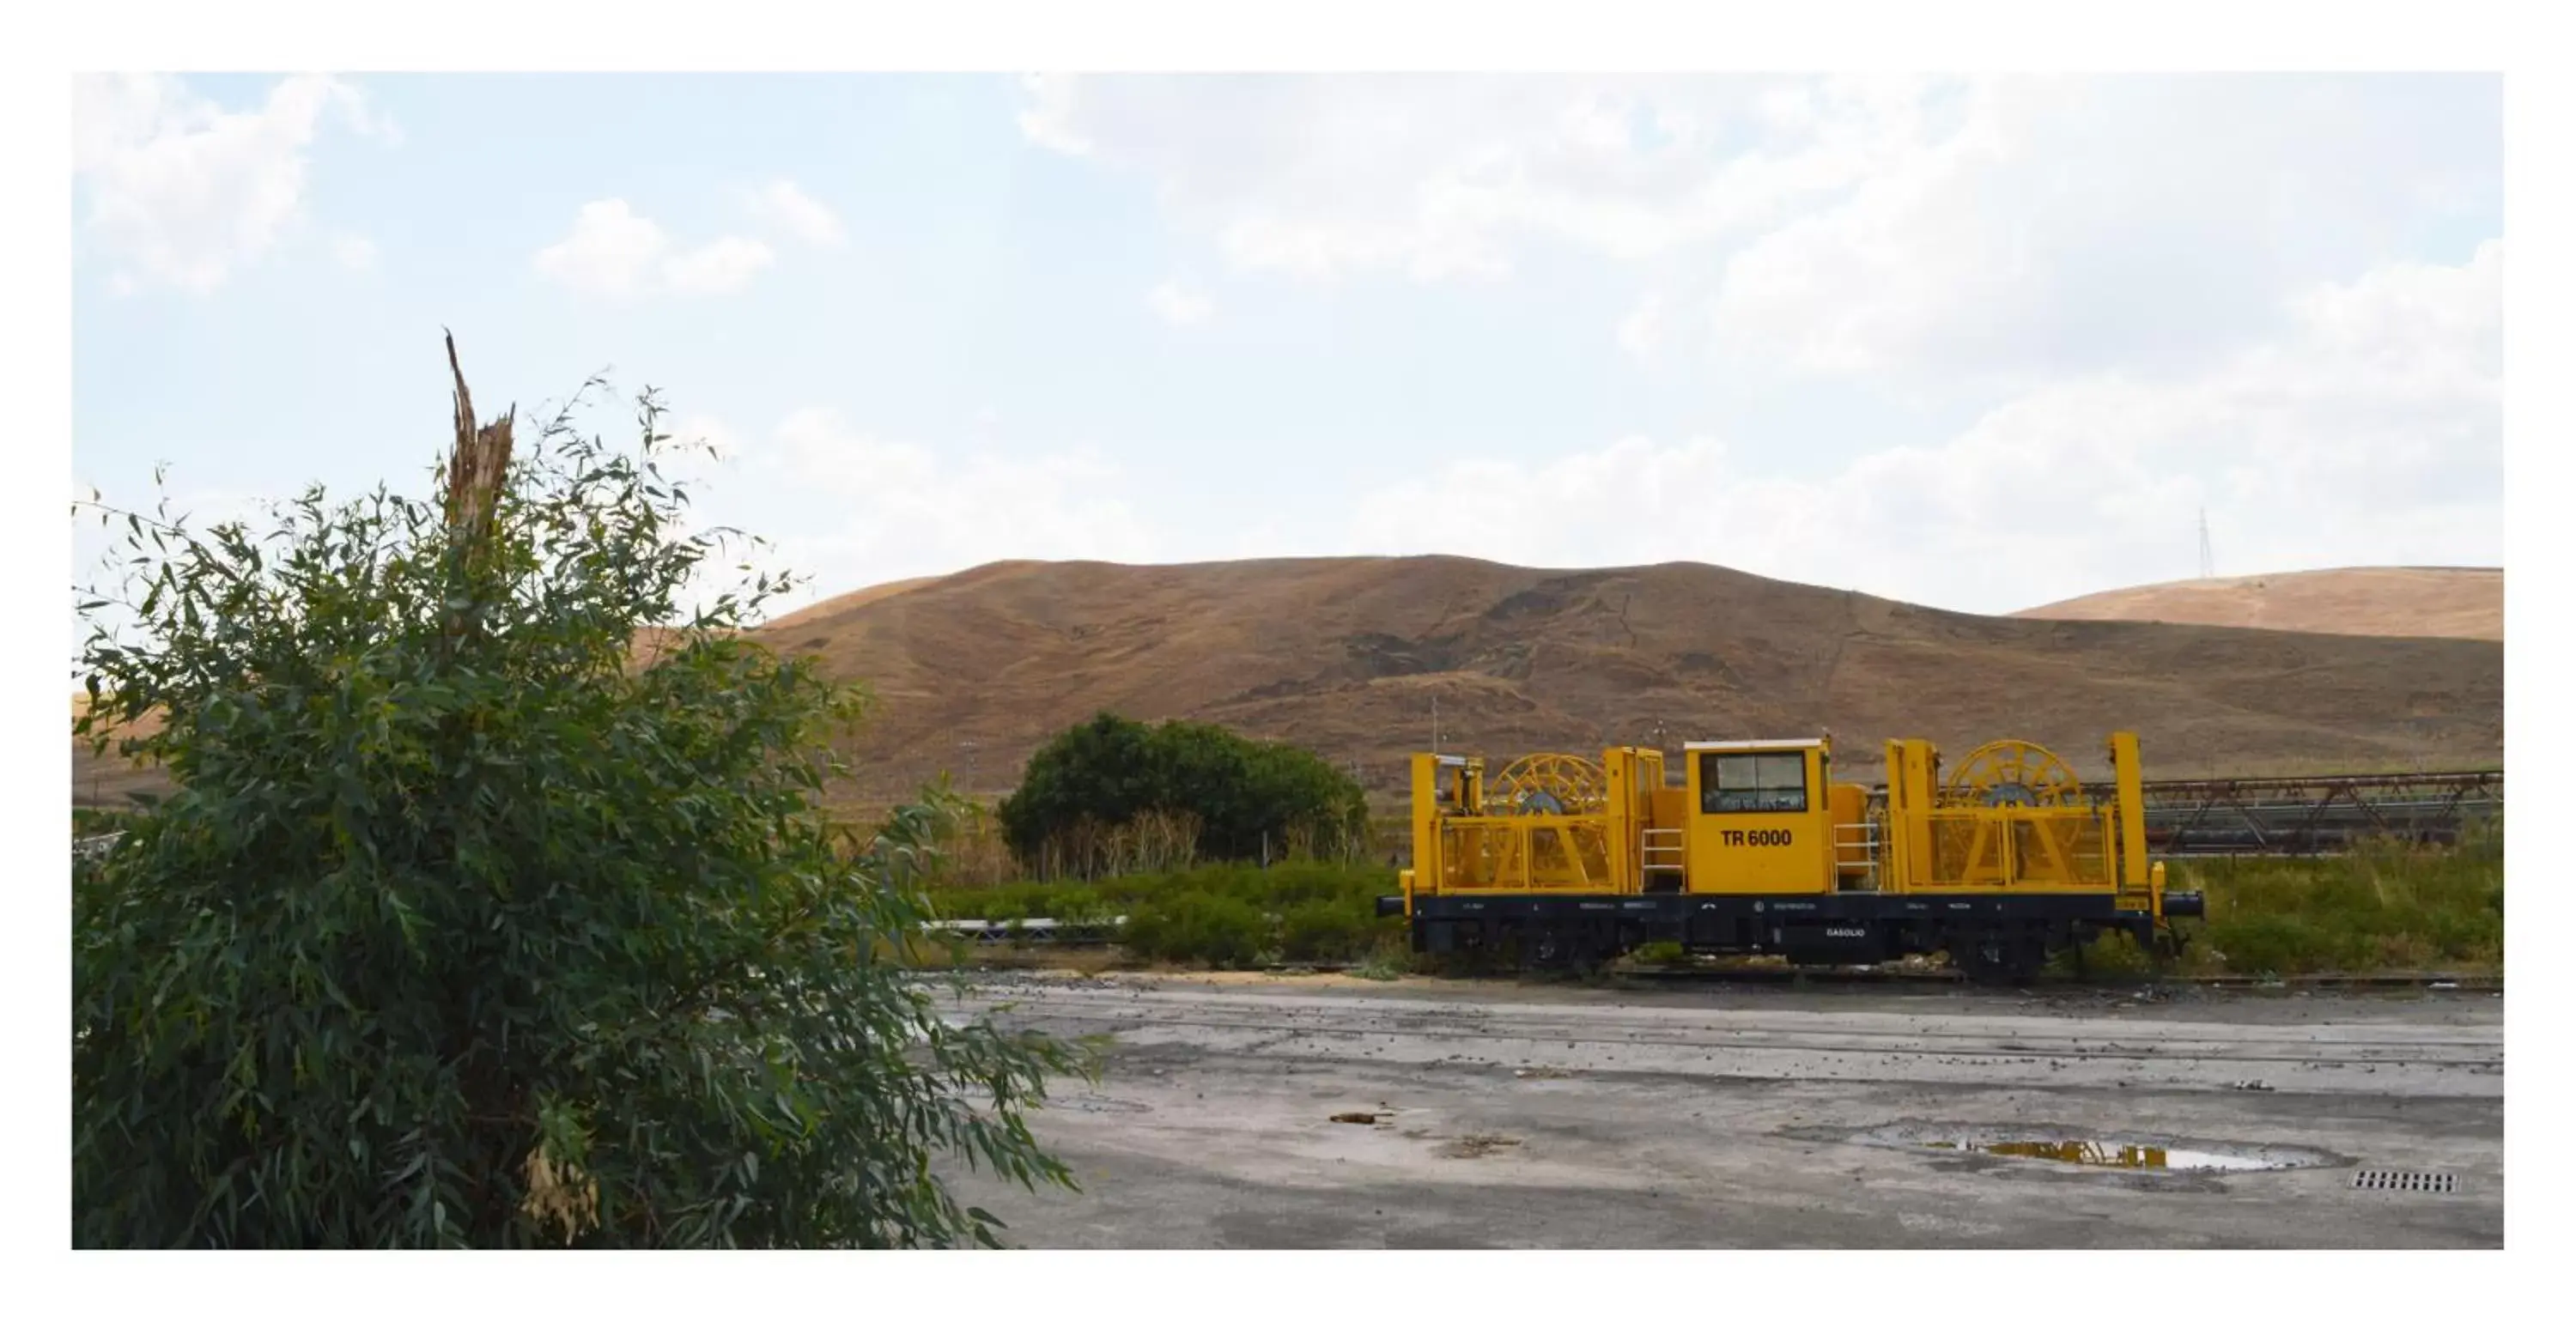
2014,772
1548,783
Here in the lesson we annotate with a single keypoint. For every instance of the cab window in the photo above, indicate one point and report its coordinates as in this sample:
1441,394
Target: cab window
1753,782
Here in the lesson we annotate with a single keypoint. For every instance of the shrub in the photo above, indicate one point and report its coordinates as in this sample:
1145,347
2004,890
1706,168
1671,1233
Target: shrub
460,928
1237,799
2384,905
2112,954
1661,954
1387,960
1219,931
1325,932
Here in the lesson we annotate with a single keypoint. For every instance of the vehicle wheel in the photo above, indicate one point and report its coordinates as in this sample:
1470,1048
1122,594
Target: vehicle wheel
1994,958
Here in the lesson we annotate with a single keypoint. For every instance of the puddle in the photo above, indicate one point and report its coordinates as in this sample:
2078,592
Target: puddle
2130,1152
2124,1156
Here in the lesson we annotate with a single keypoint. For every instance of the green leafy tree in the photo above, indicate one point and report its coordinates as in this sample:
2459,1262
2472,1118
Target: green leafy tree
464,927
1247,795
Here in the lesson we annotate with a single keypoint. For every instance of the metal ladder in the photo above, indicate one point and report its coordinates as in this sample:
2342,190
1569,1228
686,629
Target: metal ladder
1859,837
1659,849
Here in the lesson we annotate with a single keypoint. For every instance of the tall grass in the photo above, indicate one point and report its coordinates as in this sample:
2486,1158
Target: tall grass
2385,906
1149,842
1224,915
976,854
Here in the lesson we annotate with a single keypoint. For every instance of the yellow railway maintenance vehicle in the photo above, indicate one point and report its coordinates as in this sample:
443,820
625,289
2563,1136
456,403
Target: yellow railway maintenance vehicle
1562,860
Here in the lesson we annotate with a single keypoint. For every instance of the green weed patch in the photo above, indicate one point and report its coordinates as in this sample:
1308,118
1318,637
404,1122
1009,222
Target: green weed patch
2381,908
1221,916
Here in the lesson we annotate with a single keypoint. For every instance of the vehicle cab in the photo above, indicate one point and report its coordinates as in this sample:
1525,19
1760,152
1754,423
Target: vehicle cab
1760,818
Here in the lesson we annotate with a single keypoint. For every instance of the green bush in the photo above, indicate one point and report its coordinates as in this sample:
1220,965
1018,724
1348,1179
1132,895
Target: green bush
1244,798
461,928
1324,932
1023,900
1219,931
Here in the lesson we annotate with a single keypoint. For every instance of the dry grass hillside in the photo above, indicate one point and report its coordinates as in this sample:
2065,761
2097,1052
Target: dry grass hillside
972,671
2388,603
1346,656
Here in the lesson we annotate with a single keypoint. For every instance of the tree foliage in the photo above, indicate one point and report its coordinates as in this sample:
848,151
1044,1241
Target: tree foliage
1249,797
462,928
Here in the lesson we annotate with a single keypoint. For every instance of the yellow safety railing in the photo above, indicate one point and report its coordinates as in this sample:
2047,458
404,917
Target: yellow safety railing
1530,852
2040,848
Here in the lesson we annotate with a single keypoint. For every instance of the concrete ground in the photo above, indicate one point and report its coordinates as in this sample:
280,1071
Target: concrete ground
1509,1116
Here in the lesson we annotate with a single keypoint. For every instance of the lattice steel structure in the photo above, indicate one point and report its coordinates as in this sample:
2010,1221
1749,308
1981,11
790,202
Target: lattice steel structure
2316,814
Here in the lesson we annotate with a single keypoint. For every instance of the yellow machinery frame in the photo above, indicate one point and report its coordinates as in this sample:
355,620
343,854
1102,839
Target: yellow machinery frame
1476,845
2012,820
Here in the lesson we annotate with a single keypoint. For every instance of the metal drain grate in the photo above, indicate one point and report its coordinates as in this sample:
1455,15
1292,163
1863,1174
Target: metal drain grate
2406,1181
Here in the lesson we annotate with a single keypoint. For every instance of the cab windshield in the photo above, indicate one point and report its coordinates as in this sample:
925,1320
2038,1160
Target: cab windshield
1753,782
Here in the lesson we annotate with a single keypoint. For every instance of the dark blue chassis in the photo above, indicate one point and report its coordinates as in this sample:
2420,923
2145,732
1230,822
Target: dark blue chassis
1988,936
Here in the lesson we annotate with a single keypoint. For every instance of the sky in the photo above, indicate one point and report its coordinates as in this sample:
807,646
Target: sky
1979,343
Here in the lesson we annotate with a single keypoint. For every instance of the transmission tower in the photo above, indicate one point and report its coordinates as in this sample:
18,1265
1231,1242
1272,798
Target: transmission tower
2208,562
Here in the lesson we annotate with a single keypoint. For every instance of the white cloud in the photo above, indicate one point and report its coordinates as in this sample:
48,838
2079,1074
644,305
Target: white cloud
901,509
720,267
1046,122
611,250
790,208
1442,177
1981,234
616,253
1179,305
1641,332
2057,226
354,252
181,192
2370,433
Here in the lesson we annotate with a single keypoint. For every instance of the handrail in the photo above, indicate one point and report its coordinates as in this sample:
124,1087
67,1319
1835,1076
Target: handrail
1996,860
1501,852
1648,850
1864,836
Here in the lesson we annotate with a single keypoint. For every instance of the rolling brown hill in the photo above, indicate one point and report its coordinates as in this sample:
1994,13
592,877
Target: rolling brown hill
1346,656
2389,603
